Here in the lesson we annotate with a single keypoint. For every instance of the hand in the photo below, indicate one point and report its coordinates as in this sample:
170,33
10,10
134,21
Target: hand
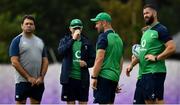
150,57
39,80
128,70
94,84
82,63
76,34
133,57
32,80
118,89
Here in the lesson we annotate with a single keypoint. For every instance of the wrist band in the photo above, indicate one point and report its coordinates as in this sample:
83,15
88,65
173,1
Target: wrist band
156,58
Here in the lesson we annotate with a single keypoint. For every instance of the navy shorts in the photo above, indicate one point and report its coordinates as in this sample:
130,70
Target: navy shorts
159,79
74,91
138,95
105,92
153,86
25,90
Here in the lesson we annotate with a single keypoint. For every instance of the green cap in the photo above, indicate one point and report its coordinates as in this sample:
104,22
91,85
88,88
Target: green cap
102,16
76,23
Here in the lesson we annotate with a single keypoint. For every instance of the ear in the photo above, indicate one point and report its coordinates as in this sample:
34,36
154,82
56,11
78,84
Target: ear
71,29
103,23
21,26
81,29
155,13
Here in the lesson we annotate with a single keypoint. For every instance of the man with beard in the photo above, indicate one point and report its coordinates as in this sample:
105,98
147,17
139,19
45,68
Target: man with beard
156,46
108,62
29,58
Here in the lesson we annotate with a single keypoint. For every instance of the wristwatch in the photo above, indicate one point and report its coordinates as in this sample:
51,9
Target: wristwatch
156,58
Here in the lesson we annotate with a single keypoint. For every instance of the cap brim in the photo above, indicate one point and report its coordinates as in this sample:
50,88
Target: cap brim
94,20
76,26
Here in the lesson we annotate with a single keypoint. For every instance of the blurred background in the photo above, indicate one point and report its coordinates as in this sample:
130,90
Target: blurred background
53,18
52,23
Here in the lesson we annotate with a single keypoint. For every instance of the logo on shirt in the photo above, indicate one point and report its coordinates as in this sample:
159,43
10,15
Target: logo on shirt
153,96
143,43
24,43
134,101
78,54
65,97
17,96
153,35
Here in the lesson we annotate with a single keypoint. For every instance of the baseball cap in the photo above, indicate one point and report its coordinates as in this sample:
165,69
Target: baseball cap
102,16
76,23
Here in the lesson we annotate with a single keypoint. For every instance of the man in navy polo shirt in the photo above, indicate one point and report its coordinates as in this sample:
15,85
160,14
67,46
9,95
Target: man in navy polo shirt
108,62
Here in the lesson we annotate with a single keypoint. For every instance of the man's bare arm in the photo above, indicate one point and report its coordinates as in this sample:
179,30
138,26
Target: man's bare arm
129,68
16,64
44,66
97,67
170,49
98,62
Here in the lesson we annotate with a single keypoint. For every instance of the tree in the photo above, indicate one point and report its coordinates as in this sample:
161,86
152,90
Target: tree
127,20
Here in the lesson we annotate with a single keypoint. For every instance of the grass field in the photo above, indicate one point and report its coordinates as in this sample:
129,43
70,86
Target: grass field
53,88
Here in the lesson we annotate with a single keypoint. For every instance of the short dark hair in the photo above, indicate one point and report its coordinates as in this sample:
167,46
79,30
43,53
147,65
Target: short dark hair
150,6
28,17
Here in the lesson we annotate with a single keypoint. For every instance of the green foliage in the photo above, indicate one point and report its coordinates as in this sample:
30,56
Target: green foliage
8,29
53,17
3,52
169,15
127,20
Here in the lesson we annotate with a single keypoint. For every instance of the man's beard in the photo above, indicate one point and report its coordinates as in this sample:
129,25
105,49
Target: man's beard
150,20
101,30
28,31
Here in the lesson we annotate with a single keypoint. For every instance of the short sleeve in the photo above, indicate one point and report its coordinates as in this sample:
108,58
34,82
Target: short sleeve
164,34
44,53
14,46
102,41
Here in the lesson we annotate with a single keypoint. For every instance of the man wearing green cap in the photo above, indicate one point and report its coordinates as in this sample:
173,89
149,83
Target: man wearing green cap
108,62
78,55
